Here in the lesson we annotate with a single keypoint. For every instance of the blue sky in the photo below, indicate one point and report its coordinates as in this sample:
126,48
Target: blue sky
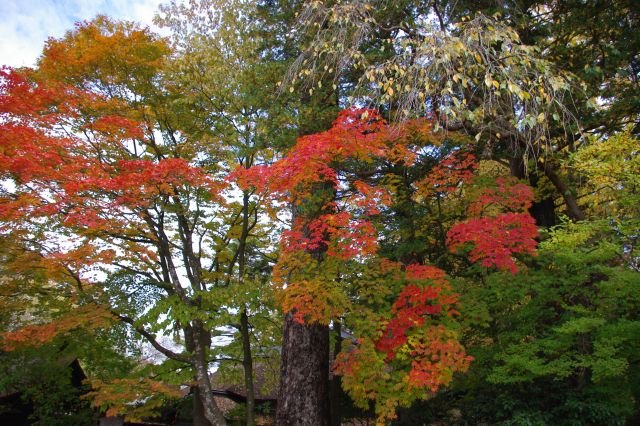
26,24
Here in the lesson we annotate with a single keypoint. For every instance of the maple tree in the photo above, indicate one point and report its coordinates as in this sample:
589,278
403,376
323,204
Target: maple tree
332,237
106,179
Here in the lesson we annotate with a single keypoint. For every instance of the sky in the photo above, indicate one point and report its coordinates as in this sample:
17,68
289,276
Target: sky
25,25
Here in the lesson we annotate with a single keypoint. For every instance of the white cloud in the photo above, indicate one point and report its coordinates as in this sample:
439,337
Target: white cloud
25,25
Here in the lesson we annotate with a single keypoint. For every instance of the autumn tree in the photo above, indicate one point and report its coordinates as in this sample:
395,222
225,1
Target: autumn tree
37,379
109,173
557,344
329,268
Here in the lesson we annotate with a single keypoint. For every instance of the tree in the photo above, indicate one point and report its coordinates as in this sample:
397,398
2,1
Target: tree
43,333
218,65
96,116
539,338
393,309
489,83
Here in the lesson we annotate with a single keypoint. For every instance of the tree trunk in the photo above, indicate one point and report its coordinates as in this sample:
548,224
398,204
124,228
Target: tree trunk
574,211
543,211
303,396
247,359
247,363
211,410
199,415
335,384
199,418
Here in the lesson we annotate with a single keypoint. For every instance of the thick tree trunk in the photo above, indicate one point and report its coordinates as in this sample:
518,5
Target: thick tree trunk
199,418
303,397
211,411
574,211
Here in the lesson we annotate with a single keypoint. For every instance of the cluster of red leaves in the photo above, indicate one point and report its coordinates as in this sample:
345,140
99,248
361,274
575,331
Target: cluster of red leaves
116,128
499,225
342,235
447,176
370,198
137,183
496,239
427,294
507,195
341,231
416,354
57,172
433,356
357,134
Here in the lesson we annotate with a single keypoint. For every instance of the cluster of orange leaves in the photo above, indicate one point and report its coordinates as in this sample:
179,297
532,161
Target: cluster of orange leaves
136,399
87,317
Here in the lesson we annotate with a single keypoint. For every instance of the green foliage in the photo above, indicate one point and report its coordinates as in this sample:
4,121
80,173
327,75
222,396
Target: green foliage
50,388
557,344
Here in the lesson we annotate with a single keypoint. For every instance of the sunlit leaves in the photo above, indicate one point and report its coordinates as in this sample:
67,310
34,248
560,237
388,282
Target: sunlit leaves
612,167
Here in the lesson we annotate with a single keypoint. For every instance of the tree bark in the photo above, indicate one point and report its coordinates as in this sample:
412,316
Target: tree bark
574,211
335,385
247,358
211,410
543,211
303,396
199,418
247,363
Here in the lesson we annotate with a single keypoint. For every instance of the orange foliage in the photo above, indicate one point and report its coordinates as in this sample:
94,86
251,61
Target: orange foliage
134,398
87,317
